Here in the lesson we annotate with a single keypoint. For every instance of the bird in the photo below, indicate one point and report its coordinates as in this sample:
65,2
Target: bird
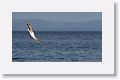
31,32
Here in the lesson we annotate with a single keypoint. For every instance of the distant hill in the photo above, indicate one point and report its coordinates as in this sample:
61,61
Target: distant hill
44,25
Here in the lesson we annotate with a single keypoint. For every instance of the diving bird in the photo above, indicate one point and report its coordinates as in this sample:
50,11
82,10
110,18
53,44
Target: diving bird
30,30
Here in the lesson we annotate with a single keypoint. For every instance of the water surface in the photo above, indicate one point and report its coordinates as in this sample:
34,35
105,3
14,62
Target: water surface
57,47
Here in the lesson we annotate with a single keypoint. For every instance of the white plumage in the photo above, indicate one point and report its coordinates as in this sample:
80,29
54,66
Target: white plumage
30,30
32,34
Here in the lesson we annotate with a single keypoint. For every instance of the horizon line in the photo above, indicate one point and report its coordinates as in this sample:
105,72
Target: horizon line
61,31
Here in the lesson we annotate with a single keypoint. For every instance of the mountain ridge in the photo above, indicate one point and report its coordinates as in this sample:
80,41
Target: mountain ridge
46,25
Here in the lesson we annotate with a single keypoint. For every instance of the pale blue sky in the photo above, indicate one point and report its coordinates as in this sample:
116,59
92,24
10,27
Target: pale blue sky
59,16
58,21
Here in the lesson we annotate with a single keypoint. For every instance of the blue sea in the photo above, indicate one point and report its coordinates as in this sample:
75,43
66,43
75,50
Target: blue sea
64,46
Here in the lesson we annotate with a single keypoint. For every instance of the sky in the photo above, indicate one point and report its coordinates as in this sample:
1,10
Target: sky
59,17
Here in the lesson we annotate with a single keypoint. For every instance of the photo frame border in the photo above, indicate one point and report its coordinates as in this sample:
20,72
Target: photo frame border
104,67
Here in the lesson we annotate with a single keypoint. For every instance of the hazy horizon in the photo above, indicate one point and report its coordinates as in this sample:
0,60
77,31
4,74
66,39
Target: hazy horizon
58,21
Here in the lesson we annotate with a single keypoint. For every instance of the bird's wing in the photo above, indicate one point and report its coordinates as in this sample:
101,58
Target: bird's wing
30,30
32,34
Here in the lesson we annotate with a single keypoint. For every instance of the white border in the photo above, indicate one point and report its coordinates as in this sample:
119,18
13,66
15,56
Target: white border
104,67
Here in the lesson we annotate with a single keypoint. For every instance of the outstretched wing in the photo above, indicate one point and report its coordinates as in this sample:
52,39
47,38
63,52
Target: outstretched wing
30,30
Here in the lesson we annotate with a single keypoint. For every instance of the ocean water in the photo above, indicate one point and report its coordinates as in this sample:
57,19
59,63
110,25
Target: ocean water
57,47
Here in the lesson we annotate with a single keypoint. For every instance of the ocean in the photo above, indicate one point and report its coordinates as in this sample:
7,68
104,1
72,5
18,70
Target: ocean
57,46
